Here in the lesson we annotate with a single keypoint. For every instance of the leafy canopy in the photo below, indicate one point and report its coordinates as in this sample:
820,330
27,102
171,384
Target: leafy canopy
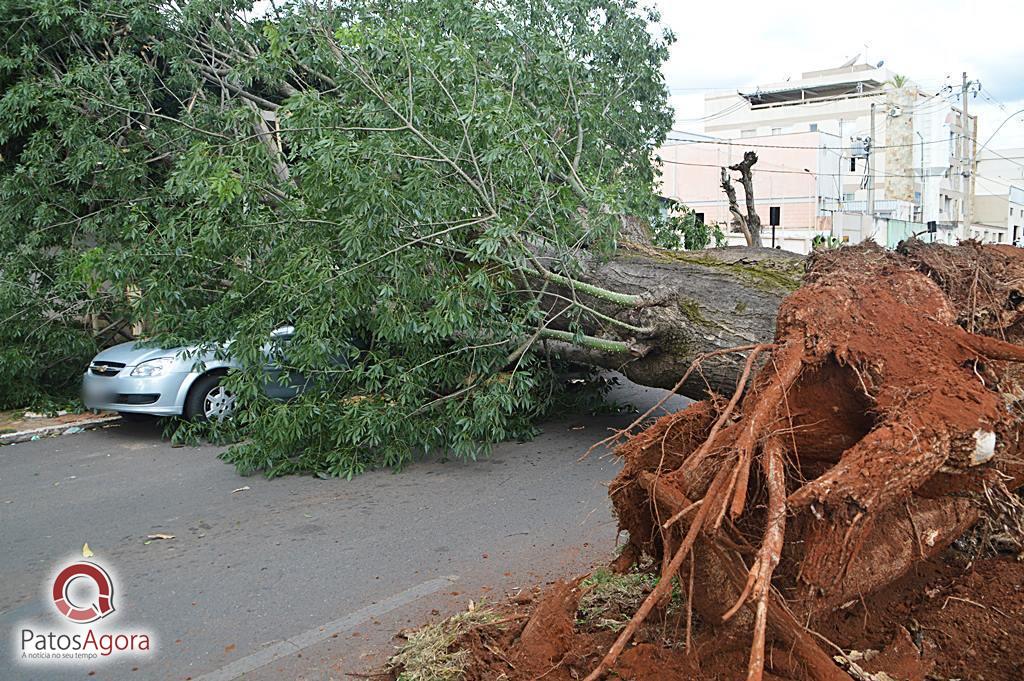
400,180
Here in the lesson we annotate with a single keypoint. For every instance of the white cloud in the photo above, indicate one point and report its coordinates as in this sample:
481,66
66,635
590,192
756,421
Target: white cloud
739,43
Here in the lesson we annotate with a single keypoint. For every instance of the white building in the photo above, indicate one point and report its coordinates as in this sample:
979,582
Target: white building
999,200
916,150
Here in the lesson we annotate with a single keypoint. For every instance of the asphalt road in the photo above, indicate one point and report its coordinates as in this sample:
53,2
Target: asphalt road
294,578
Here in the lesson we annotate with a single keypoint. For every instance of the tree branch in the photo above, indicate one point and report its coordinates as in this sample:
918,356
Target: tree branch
591,342
624,299
265,135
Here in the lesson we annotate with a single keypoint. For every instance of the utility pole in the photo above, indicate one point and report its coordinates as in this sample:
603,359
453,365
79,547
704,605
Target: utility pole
871,171
972,168
841,159
969,152
965,162
923,218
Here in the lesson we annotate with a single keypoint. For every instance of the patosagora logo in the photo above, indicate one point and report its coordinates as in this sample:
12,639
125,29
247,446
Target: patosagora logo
80,614
82,594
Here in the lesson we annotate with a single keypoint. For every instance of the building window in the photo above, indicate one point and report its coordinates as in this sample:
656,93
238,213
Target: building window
748,133
1011,211
699,217
849,196
776,131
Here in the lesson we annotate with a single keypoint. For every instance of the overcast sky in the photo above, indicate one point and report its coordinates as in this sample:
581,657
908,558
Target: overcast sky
734,44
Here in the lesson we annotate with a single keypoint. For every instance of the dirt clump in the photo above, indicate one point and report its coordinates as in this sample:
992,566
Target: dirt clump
951,618
964,618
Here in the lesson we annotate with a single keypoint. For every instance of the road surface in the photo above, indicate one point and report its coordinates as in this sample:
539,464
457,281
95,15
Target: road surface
293,578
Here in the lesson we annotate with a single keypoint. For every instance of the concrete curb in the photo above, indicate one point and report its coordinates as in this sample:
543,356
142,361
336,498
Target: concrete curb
60,429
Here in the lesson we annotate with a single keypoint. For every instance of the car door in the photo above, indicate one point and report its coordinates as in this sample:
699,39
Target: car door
281,383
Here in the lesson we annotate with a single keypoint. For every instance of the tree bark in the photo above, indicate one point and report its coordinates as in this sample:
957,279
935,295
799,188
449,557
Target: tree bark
691,303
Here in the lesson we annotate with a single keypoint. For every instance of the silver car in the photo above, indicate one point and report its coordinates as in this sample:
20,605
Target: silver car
175,381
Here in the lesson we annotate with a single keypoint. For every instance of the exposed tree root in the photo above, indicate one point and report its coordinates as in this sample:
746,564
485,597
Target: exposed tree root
875,431
858,450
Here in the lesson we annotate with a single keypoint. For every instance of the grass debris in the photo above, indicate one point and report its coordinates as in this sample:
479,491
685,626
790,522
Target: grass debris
609,600
428,653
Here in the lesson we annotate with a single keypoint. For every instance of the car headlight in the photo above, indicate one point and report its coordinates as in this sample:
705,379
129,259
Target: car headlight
153,367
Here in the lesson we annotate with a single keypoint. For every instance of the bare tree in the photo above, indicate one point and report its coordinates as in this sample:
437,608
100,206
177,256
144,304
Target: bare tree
749,224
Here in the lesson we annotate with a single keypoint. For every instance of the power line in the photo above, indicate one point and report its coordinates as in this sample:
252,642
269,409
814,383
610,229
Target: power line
796,146
928,106
1000,127
732,108
994,152
786,172
1005,183
992,101
1002,186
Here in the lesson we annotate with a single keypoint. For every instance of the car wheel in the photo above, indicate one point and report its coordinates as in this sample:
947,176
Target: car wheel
209,400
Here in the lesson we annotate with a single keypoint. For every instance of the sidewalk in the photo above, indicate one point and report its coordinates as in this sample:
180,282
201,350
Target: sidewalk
19,425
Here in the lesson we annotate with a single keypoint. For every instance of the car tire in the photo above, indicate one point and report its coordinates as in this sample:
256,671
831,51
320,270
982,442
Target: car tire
209,400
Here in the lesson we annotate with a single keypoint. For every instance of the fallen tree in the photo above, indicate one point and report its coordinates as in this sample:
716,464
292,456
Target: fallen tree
432,190
683,305
878,425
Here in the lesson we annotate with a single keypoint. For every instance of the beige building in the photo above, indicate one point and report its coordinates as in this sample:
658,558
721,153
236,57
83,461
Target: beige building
999,200
916,150
999,218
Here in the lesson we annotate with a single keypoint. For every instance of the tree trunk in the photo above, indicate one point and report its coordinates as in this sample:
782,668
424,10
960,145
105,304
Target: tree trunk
749,224
734,208
693,302
744,168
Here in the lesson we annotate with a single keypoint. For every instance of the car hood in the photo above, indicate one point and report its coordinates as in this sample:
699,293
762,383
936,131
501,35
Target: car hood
131,354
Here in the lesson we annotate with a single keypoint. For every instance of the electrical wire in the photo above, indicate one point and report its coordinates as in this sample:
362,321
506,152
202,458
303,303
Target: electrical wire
718,114
786,172
987,180
740,143
1000,127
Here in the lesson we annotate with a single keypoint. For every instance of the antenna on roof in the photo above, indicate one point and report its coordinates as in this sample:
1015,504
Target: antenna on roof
880,64
851,62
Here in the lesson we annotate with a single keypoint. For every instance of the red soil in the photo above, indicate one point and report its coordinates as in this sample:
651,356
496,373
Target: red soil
950,619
